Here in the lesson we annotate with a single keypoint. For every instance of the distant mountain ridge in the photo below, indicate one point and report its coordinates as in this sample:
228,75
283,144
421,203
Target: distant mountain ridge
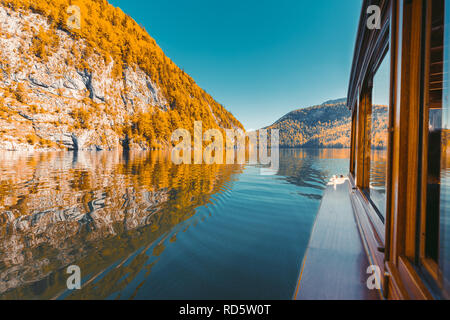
335,101
327,126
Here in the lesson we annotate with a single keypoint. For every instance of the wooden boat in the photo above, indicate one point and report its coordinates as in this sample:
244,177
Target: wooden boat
384,233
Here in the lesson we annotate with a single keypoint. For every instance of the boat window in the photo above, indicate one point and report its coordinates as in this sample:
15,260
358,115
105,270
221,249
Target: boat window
353,146
444,260
436,244
378,136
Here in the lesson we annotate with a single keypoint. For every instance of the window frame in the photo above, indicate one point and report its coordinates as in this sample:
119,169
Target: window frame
429,268
383,54
405,278
373,228
353,146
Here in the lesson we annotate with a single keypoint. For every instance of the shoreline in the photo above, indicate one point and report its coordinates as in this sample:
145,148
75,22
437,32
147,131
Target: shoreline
144,150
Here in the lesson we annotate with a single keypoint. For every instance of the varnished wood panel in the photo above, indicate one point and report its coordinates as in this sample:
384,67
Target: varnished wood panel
415,287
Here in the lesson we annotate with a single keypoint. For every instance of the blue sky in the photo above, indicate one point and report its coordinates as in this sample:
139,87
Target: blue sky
261,59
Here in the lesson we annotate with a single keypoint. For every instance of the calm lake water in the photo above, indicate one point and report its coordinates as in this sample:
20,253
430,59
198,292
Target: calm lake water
140,227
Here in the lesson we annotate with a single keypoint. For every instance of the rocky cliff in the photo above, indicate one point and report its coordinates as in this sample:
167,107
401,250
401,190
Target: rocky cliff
104,86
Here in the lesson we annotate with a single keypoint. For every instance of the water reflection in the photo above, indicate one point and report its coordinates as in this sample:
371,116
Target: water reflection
140,227
378,176
378,135
57,208
302,168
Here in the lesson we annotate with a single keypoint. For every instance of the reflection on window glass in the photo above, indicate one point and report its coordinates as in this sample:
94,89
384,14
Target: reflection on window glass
437,229
444,260
379,136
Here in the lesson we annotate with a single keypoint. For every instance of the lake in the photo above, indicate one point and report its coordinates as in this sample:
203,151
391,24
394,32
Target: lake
140,227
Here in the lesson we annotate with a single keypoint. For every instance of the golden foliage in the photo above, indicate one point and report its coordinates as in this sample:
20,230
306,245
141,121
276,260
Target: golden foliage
32,139
82,117
5,112
20,93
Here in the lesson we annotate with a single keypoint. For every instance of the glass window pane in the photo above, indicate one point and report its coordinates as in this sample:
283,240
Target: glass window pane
437,228
435,130
353,145
379,135
444,259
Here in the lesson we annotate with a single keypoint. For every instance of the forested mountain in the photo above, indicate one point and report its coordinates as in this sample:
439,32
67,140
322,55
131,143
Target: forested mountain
96,80
327,125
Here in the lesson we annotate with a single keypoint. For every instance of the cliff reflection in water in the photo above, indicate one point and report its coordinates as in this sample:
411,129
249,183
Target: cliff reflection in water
140,227
93,209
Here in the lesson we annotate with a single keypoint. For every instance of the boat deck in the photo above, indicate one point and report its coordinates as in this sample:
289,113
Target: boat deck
335,264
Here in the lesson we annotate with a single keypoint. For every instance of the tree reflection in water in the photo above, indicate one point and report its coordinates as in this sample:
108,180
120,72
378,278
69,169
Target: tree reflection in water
101,211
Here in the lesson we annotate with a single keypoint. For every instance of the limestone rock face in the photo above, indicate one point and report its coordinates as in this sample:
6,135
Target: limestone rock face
42,116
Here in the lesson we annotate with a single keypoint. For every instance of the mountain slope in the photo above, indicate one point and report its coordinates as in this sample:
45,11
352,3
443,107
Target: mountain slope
327,125
102,86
